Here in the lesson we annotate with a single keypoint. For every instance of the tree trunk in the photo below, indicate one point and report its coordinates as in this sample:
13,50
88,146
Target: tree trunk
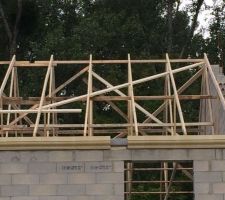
193,26
12,34
170,25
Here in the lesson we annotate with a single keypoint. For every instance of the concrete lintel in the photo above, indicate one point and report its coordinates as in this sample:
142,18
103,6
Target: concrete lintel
46,143
176,142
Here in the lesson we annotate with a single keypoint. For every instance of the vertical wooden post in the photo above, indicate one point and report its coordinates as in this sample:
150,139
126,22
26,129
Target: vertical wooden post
173,131
89,90
90,122
131,95
50,89
165,166
4,82
42,96
16,92
129,172
54,115
176,98
165,113
161,181
174,114
171,180
130,128
10,95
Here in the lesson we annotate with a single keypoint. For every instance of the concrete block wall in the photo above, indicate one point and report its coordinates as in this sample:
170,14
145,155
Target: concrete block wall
209,177
60,175
98,175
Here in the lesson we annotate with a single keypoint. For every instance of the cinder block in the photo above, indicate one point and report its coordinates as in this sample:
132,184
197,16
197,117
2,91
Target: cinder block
118,166
71,190
39,156
110,177
83,178
14,190
41,190
24,198
109,197
97,167
9,156
33,156
53,198
82,198
5,179
201,188
218,188
25,156
13,168
38,168
223,153
60,156
208,197
53,179
4,198
70,167
201,166
202,154
219,154
163,154
88,155
119,189
207,177
99,189
28,179
117,154
218,165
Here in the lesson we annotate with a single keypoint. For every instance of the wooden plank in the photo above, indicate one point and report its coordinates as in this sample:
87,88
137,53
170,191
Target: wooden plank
43,96
176,96
131,93
171,180
35,100
87,112
10,96
42,111
56,62
125,125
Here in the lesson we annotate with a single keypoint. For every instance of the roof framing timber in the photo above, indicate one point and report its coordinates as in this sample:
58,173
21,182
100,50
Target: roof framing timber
41,119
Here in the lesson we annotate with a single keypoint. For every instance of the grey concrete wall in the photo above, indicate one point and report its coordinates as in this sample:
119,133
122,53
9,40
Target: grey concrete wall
217,108
98,175
209,177
60,175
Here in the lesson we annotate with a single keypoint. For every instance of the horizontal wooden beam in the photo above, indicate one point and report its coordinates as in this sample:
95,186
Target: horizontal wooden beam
56,62
124,125
43,111
176,142
124,98
35,100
